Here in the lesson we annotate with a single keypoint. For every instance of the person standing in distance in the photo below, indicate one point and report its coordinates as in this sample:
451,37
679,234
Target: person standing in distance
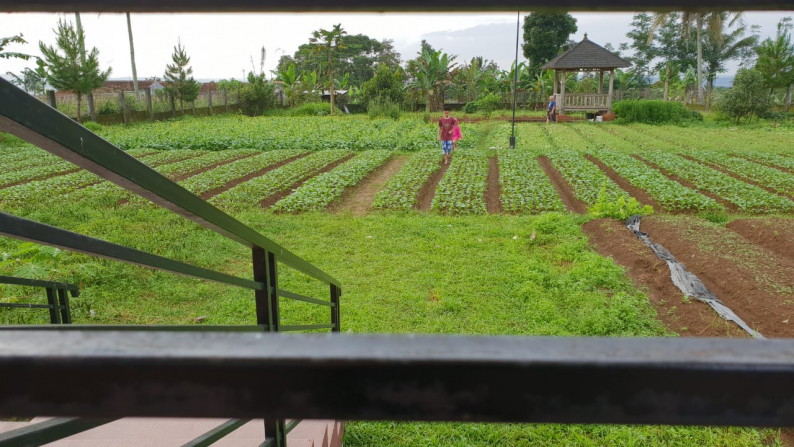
551,115
446,125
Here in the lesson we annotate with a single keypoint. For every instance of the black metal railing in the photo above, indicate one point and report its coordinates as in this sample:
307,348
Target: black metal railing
29,119
57,297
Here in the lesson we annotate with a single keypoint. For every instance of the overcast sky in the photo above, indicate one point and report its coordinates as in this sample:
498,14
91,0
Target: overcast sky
221,45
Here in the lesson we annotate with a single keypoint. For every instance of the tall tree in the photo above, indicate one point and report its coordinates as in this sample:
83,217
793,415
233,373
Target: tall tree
179,79
90,94
132,57
6,41
725,41
32,80
644,49
433,72
545,36
329,41
776,60
66,69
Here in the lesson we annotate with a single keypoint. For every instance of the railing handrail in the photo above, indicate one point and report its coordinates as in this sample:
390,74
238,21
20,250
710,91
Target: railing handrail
13,280
61,136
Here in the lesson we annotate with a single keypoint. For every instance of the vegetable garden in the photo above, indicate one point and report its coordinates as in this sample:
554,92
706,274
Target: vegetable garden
543,268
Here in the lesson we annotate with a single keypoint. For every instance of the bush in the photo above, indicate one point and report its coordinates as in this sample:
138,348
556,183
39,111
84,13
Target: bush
653,112
489,103
620,208
383,108
312,109
470,107
92,126
747,97
384,86
256,96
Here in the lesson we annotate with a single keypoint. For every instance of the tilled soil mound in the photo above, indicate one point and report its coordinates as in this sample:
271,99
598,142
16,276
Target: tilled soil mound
774,234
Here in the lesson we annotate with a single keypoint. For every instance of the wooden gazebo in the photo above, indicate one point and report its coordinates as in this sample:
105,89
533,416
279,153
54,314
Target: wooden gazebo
585,56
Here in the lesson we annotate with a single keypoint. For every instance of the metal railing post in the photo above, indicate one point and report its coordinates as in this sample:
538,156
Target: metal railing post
63,302
260,275
335,292
272,290
52,300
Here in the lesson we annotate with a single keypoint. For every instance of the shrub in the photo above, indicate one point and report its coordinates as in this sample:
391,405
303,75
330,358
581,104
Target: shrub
312,109
747,97
619,208
653,112
383,108
384,86
256,96
470,107
92,126
489,103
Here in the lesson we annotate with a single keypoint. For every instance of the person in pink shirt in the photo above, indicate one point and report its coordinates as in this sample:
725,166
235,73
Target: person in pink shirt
456,135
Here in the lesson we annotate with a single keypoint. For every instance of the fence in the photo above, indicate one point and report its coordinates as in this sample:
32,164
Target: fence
57,297
124,107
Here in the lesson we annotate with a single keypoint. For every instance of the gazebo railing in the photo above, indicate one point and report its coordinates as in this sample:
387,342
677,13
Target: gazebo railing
584,101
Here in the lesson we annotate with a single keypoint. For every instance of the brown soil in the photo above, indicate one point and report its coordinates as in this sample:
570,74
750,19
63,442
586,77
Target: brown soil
728,205
739,177
425,197
358,200
206,195
492,201
755,283
519,119
639,194
208,168
774,234
651,275
562,187
270,201
41,178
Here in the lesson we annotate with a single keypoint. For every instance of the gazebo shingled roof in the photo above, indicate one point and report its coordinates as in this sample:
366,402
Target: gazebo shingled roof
586,55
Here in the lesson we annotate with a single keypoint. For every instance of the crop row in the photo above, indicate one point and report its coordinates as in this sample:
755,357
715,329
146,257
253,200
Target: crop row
585,178
671,195
764,176
251,193
39,191
525,188
401,191
770,159
270,133
462,190
223,175
318,192
597,137
720,139
746,197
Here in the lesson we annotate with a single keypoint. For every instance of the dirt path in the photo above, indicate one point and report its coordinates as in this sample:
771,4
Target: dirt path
212,193
755,283
359,200
639,194
493,202
270,201
774,234
728,205
425,197
651,275
562,187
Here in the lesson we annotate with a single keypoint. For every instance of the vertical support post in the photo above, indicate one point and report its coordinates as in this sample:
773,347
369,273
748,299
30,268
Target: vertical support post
123,107
226,100
261,296
556,81
209,100
149,108
52,300
276,430
600,80
91,106
51,99
63,302
272,286
173,105
561,102
335,293
611,82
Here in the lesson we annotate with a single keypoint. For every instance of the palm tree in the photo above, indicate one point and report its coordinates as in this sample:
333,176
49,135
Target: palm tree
327,42
776,60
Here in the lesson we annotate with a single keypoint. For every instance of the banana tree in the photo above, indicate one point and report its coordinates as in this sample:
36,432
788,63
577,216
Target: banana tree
289,78
434,71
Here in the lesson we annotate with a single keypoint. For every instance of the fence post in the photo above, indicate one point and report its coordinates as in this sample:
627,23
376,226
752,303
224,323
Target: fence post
123,107
226,100
52,300
209,100
149,108
91,106
335,292
173,106
51,98
63,301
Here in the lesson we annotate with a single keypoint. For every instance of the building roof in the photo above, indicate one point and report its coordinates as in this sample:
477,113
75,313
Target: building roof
586,55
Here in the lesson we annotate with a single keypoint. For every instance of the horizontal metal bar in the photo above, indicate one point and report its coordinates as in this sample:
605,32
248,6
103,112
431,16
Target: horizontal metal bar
138,328
292,424
31,306
374,6
399,377
303,327
294,296
39,283
28,230
214,435
48,431
28,118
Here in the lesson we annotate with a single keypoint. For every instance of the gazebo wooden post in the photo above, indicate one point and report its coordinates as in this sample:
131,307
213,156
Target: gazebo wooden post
561,102
556,81
600,80
611,82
